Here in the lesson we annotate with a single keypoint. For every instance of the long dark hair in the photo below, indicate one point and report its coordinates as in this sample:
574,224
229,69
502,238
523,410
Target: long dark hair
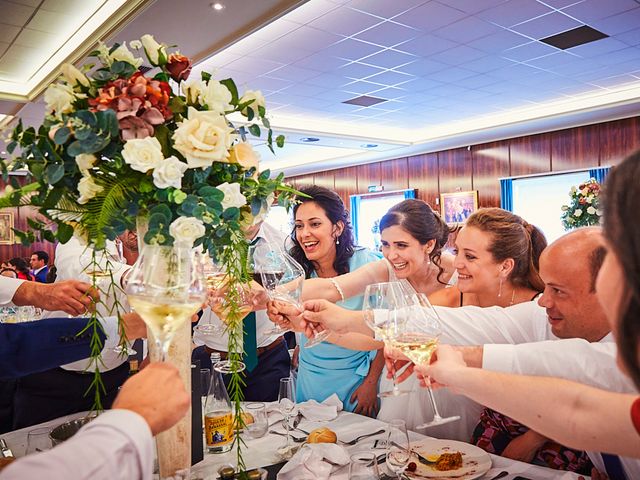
334,209
513,237
21,266
422,223
621,200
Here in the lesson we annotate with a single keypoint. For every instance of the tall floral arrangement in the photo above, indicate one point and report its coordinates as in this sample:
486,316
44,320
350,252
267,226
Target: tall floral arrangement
583,209
119,144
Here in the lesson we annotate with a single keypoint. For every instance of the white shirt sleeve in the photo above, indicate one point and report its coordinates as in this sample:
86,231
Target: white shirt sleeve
116,445
469,325
573,359
8,287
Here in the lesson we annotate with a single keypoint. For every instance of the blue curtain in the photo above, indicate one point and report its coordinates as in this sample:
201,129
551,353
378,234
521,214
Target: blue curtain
506,194
355,208
409,194
599,174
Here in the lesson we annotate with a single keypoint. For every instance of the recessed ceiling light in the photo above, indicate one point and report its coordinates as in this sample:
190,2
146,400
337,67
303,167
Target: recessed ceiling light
217,6
574,37
369,145
365,101
309,139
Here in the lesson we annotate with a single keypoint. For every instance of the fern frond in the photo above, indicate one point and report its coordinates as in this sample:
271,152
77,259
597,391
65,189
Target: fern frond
67,211
20,197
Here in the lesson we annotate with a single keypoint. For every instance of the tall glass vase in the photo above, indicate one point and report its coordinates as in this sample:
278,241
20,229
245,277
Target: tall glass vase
173,445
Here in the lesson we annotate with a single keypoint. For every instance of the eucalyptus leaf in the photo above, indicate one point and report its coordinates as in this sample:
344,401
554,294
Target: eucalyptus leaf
87,117
82,134
206,76
231,86
231,213
103,75
65,232
254,129
54,173
61,136
280,141
163,210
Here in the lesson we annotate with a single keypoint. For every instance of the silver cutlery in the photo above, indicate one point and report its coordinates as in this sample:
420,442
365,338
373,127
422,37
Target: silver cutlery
4,448
503,473
293,437
366,435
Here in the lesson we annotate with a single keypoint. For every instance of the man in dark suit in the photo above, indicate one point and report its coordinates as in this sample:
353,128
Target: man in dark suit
40,265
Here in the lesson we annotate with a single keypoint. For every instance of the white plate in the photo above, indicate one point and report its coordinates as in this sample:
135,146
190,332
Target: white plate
475,461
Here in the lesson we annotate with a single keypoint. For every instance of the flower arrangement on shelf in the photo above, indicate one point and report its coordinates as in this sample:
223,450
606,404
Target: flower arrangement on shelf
583,210
117,144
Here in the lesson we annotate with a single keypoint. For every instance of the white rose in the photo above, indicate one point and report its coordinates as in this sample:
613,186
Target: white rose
564,208
143,154
573,190
233,197
258,101
59,98
186,229
192,89
577,213
152,49
169,173
216,96
87,189
591,211
122,54
598,212
85,161
585,191
590,198
203,138
73,76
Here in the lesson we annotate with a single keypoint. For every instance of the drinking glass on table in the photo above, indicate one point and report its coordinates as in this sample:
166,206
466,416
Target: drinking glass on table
205,383
417,340
363,466
38,440
260,424
287,406
380,305
398,447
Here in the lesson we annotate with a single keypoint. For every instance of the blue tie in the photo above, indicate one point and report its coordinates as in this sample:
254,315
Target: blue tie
249,342
613,466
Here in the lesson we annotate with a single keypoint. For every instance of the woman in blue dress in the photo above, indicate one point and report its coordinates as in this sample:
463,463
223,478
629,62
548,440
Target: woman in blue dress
323,244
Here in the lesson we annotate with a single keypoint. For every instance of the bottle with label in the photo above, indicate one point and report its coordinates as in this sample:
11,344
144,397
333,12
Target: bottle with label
218,416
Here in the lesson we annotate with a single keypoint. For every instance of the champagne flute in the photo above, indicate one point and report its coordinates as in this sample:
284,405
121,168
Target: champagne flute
417,340
166,287
384,299
287,405
279,274
398,447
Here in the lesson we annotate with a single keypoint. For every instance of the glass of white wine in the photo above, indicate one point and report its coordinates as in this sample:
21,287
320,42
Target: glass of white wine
417,339
278,273
380,305
166,287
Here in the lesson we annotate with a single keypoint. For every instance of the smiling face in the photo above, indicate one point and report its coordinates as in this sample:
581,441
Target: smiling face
478,272
573,309
315,233
406,255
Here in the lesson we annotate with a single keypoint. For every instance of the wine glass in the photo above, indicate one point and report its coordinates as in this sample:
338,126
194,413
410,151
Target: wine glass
417,340
216,277
278,273
231,309
166,287
363,466
287,405
398,447
384,299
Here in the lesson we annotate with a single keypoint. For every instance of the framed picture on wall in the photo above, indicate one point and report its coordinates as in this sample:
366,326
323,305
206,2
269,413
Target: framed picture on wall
6,228
457,206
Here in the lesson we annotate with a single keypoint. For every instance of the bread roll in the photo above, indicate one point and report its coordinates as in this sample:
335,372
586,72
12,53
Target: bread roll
322,435
4,461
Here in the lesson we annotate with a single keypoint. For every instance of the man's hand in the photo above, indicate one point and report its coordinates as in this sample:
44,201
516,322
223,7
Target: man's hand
134,326
285,315
70,296
524,447
396,360
322,314
446,362
157,394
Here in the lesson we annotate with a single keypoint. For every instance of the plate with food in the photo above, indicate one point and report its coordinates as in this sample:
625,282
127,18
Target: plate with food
447,459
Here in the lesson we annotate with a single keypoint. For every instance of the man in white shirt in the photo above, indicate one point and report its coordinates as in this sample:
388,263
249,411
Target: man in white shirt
119,443
273,361
62,391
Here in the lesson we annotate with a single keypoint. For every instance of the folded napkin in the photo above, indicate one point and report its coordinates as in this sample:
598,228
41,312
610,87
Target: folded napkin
321,412
317,461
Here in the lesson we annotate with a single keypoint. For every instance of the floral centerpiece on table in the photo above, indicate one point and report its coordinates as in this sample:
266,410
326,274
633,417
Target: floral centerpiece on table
583,210
119,144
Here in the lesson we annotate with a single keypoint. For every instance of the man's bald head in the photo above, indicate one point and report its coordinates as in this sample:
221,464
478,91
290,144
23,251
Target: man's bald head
569,267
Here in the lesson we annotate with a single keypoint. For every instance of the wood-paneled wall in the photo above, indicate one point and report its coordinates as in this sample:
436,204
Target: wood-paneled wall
480,167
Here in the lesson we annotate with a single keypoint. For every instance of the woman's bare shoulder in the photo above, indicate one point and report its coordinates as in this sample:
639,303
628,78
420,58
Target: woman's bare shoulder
446,297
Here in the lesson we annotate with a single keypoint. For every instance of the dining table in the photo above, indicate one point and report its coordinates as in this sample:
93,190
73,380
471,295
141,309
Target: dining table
263,452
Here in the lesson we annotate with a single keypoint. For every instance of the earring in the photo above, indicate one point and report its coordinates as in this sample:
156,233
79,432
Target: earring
337,241
500,288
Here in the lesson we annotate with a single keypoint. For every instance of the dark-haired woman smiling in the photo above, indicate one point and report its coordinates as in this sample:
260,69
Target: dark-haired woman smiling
323,244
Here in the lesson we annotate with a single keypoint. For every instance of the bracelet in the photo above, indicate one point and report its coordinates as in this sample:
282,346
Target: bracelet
338,288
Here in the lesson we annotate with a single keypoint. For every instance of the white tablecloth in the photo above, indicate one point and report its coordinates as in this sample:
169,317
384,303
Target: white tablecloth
262,451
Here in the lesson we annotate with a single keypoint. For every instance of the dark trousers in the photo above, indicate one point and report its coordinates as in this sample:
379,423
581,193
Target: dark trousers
263,382
48,395
7,392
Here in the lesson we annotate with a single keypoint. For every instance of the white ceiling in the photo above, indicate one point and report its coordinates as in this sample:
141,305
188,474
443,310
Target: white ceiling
453,72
